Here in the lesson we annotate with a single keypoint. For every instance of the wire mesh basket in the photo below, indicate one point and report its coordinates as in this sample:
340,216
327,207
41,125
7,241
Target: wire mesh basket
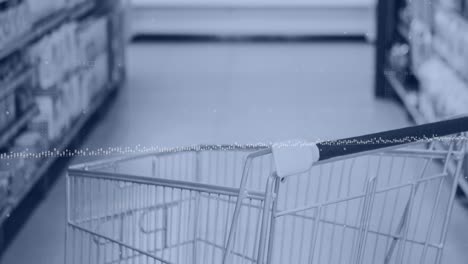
334,202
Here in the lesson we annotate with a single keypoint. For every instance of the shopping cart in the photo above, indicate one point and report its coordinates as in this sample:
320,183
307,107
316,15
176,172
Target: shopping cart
380,198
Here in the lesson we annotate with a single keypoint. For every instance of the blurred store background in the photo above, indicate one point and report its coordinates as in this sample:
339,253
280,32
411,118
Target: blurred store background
85,79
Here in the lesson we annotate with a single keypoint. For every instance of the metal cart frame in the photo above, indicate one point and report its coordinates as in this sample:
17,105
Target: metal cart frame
368,199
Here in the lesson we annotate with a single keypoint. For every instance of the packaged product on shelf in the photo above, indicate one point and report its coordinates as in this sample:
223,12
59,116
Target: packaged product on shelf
72,97
399,58
94,80
49,115
59,110
93,47
73,66
14,170
12,66
5,178
422,11
7,111
27,143
4,182
24,99
448,93
10,108
452,5
101,74
84,95
451,40
40,57
55,56
92,39
14,20
421,44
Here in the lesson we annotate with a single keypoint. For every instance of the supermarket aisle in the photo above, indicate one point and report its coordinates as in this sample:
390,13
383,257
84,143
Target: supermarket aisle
181,94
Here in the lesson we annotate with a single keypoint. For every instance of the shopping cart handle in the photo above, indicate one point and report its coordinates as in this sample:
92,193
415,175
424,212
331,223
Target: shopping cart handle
427,132
296,157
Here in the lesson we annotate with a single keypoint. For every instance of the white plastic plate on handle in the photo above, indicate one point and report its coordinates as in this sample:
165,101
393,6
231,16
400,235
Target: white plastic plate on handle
294,157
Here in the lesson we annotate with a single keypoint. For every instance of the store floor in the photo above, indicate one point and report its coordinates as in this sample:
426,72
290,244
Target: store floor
182,94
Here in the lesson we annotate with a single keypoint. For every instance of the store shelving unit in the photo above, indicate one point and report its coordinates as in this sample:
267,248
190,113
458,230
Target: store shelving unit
58,147
11,85
388,82
8,217
45,26
407,98
11,131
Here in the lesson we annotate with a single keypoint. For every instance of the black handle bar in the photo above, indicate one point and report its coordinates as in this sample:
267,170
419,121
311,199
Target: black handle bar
354,145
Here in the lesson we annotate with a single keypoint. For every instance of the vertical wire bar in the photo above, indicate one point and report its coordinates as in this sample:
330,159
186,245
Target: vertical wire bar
179,226
417,217
189,175
83,216
370,205
257,243
207,227
266,218
448,215
303,221
198,171
147,204
360,207
402,225
283,226
237,243
257,229
404,237
235,219
314,235
315,231
427,162
435,207
362,218
216,169
68,217
124,228
397,196
108,212
157,241
121,222
98,215
163,240
90,197
292,245
261,173
348,193
415,180
134,205
235,166
340,184
138,203
215,227
169,211
381,219
190,215
325,211
225,174
247,231
114,249
228,216
272,231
